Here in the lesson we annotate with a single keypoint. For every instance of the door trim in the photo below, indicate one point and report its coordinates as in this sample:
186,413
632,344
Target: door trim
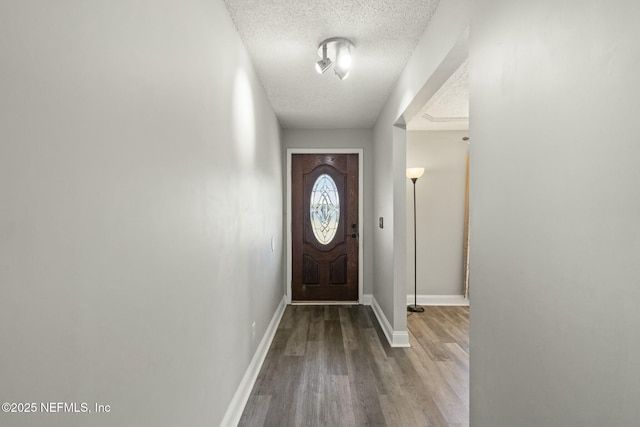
359,152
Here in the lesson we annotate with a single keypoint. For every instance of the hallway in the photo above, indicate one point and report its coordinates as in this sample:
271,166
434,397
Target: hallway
332,366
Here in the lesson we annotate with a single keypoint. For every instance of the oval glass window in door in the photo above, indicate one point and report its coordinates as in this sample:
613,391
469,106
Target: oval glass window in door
325,209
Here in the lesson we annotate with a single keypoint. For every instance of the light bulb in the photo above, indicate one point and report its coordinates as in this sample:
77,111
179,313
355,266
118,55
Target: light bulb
344,60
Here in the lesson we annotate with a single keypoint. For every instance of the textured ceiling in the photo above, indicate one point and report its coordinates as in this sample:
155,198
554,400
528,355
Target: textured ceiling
448,108
282,37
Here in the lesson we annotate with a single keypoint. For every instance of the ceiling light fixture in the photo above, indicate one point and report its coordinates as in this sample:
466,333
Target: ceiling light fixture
335,51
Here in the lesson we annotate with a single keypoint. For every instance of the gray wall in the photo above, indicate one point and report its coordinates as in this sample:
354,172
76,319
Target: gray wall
423,70
344,138
440,202
141,183
555,214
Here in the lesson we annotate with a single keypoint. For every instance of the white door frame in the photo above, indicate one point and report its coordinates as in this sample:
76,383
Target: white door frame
359,152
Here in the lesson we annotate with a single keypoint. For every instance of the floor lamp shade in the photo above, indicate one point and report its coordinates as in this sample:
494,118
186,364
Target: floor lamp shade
415,173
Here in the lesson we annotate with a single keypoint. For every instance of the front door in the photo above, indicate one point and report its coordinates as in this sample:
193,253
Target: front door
324,228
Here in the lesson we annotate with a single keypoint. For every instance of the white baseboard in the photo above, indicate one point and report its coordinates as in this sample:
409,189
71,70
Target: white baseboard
395,338
325,303
439,300
240,398
366,299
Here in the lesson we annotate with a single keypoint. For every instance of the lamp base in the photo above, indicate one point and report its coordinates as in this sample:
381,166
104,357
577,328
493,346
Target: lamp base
415,308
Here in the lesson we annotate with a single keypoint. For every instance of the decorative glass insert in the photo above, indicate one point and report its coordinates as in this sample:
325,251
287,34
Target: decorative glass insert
325,209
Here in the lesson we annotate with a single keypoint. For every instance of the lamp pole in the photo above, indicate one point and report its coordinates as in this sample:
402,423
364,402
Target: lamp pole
414,174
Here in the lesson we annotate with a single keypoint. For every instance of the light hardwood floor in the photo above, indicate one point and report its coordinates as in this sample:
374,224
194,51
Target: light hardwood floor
332,366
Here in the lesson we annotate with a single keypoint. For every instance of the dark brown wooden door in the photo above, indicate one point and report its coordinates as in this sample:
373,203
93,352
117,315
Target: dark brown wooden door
324,204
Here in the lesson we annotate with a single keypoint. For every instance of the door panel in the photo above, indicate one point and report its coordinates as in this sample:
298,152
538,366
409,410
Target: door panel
324,193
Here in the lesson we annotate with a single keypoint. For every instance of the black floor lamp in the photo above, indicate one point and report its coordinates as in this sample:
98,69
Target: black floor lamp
414,174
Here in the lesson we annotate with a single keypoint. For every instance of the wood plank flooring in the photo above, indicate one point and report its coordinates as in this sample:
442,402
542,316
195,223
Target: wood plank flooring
332,366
